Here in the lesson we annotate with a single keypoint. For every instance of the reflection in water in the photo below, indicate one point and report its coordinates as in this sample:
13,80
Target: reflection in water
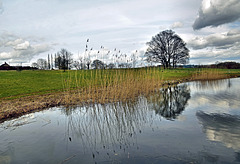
222,128
237,156
208,157
171,101
221,95
132,132
115,126
112,127
107,132
214,85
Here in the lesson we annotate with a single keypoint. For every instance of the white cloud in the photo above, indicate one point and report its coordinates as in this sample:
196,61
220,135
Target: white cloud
24,55
17,49
217,12
14,42
22,46
177,25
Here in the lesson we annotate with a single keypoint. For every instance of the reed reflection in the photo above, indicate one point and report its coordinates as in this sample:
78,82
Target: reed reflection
110,129
114,127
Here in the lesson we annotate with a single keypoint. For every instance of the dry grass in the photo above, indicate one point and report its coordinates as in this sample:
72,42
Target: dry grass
209,74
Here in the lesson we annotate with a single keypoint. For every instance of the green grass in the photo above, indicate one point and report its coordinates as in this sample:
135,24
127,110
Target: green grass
15,84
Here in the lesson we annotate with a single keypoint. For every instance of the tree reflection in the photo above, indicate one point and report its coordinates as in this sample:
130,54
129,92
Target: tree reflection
223,128
171,101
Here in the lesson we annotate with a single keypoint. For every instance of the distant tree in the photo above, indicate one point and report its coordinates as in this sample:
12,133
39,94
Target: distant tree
48,62
42,63
168,49
228,65
55,61
81,63
134,59
88,62
63,59
111,66
51,61
77,65
97,64
35,65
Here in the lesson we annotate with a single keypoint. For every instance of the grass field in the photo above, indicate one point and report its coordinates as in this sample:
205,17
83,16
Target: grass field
15,84
26,91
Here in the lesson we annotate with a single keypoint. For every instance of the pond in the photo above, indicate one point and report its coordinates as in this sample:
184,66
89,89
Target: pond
195,122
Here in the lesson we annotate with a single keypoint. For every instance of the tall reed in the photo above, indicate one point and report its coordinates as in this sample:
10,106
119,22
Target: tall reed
104,86
114,85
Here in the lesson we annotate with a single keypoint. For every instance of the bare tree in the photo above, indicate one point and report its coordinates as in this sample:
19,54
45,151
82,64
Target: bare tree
97,64
77,65
42,63
168,49
51,62
48,63
35,65
111,66
88,62
134,59
64,59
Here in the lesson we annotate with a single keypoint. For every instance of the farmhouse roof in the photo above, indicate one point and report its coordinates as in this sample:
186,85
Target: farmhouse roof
5,65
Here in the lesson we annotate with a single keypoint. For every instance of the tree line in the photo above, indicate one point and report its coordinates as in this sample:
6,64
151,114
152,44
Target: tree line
63,60
166,48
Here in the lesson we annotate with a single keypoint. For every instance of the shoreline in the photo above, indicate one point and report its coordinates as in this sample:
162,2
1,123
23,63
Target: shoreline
15,108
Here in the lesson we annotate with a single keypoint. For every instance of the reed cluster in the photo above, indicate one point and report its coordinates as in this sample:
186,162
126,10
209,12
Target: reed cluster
106,86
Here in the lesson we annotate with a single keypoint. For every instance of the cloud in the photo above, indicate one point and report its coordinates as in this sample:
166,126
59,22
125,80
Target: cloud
1,7
217,12
177,25
22,46
16,49
24,54
218,41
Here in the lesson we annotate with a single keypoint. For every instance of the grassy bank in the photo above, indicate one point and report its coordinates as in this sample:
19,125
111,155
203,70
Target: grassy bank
21,92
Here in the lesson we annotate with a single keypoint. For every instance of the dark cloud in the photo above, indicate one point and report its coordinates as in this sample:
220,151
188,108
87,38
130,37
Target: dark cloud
218,41
217,12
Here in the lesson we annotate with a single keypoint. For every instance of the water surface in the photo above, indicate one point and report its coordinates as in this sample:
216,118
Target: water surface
195,122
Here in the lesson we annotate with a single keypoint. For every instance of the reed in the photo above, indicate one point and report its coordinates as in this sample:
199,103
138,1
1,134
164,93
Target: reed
105,86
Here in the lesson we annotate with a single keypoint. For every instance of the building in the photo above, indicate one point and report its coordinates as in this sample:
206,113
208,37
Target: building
6,66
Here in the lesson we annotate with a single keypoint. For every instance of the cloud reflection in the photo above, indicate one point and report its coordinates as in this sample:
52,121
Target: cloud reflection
222,128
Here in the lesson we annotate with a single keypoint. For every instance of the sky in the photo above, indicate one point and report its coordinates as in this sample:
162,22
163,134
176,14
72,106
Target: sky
32,29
